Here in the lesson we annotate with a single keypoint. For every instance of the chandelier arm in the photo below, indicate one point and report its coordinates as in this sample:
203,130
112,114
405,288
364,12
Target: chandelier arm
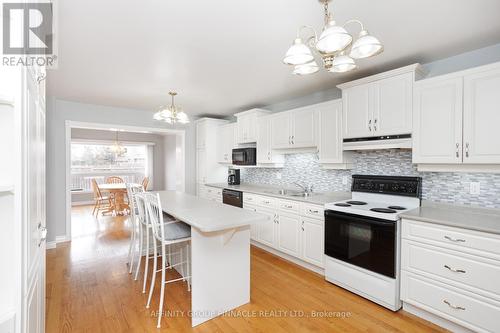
355,21
303,27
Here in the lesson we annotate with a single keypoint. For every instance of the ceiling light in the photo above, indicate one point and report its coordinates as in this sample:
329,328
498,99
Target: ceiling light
365,46
298,53
333,45
171,114
342,63
304,69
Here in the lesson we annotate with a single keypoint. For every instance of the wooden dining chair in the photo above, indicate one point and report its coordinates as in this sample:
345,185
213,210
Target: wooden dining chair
101,202
114,180
145,183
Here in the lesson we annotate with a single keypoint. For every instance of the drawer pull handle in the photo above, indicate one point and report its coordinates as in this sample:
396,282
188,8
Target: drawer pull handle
267,202
313,211
454,269
288,206
458,240
453,306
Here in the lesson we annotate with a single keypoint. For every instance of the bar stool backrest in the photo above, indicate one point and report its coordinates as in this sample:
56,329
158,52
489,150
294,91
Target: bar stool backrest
155,214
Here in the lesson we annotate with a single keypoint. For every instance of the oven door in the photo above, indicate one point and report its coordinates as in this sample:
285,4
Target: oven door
362,241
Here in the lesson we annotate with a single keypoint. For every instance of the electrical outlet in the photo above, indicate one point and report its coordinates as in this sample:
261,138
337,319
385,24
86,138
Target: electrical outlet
475,188
278,175
344,180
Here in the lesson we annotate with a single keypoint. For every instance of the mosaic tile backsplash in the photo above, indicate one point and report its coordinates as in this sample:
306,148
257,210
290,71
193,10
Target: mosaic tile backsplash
444,187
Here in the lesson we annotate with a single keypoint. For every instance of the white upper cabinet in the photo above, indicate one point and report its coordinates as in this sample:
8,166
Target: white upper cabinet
456,120
294,129
246,125
208,168
381,104
201,139
482,117
437,121
226,140
392,112
265,155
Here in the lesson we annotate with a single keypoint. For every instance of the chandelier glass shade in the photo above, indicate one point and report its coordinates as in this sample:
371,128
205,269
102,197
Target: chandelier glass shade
171,114
335,46
117,147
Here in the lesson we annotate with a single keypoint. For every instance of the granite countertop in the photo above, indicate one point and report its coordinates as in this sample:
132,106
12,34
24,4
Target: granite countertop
267,190
205,215
473,218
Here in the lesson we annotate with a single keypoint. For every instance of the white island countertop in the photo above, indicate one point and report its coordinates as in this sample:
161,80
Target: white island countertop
206,215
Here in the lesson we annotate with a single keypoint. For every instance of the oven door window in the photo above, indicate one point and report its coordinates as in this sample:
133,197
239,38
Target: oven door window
362,241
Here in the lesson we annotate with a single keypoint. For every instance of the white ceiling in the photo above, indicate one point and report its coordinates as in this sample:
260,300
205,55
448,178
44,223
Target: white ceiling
224,56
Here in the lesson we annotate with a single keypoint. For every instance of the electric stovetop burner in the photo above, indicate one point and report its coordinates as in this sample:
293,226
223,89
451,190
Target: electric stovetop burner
356,203
397,207
342,204
383,210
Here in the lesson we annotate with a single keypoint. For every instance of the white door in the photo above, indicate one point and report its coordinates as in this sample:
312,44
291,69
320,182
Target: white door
392,107
482,117
330,132
281,131
263,141
437,121
312,232
266,229
304,128
288,236
34,282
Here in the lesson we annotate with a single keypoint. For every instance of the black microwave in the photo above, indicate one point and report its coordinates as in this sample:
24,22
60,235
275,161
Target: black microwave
244,156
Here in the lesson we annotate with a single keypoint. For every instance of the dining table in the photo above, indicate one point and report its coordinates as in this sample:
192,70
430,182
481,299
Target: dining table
118,191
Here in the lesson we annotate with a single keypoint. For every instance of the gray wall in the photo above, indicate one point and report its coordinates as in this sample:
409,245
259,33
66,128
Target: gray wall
58,112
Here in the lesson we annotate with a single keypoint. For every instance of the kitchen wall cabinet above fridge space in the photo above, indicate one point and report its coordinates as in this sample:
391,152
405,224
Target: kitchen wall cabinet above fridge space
226,141
246,125
456,121
380,105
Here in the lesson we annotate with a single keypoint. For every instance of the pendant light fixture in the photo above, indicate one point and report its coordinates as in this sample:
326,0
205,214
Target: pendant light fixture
335,46
117,147
171,114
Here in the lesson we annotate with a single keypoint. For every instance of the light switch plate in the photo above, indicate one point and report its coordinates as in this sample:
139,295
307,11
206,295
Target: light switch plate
344,180
475,188
278,175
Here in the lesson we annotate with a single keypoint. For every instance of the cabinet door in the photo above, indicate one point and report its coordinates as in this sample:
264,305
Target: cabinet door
281,131
313,233
201,166
252,128
482,117
254,227
266,228
263,141
357,113
392,105
437,121
225,143
330,133
288,235
304,128
243,128
200,135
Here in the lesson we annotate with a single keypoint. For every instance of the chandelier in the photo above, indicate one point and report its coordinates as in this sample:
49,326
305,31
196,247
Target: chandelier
171,114
335,46
117,147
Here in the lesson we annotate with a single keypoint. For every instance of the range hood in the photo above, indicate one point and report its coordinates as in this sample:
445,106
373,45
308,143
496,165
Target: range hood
378,142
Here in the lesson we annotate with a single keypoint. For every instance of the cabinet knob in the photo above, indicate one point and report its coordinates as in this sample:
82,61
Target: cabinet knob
457,152
466,149
370,125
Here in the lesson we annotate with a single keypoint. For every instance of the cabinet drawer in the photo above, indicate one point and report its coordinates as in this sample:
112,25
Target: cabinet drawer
475,313
314,211
249,198
288,206
265,201
473,271
471,241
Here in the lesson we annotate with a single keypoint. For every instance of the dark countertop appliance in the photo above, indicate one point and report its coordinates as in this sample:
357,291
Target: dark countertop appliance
245,156
233,177
232,197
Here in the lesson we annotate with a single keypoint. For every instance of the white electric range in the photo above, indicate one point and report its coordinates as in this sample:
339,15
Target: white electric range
362,236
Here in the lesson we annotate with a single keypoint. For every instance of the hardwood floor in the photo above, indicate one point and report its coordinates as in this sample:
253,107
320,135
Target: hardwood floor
89,290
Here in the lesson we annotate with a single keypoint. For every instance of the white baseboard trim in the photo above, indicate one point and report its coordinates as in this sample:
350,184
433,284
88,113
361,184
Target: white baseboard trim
51,245
288,257
59,239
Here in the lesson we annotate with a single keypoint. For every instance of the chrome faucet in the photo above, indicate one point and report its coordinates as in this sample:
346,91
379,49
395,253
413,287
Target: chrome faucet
305,188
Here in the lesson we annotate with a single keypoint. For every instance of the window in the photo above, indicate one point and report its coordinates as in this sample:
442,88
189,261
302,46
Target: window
99,161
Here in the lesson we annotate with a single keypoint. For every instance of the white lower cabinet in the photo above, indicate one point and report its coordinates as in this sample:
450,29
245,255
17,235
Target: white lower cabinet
312,239
451,273
254,230
267,229
288,235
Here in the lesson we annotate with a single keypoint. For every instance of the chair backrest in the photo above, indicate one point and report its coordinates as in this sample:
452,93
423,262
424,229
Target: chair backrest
114,180
132,191
155,214
95,188
145,183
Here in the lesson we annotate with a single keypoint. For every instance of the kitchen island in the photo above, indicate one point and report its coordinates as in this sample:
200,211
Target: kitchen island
220,252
